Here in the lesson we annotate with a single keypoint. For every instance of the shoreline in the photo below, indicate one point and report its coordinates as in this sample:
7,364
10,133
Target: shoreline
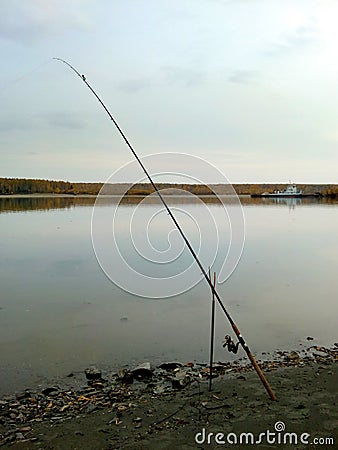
165,407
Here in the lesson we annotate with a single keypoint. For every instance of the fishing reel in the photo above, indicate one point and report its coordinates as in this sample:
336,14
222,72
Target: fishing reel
230,344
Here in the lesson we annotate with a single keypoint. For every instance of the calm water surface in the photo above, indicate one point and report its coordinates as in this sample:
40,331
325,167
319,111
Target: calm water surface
60,313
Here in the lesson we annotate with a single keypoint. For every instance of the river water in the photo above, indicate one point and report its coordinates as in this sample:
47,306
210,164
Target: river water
60,312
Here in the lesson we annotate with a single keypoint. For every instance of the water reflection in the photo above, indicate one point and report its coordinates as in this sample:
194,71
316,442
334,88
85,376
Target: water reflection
42,203
291,203
45,203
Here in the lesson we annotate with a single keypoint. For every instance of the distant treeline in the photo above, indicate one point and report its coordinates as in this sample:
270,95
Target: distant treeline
31,186
226,189
12,186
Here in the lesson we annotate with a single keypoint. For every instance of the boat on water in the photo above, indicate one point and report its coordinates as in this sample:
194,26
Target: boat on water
290,192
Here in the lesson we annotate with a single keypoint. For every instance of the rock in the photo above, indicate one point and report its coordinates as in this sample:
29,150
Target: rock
319,354
206,372
50,391
93,373
126,376
104,430
91,408
97,385
122,408
78,433
143,372
64,407
159,389
241,377
300,406
309,338
321,349
293,356
19,436
181,380
170,366
20,417
22,395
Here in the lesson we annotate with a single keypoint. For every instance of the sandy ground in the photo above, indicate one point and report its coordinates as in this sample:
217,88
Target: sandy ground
146,415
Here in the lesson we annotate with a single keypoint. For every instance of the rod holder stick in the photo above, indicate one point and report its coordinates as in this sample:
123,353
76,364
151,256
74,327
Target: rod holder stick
212,331
185,239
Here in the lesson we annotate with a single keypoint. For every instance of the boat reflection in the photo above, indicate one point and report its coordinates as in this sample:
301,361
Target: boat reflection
291,202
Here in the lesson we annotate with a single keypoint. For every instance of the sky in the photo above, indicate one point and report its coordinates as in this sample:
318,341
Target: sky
248,85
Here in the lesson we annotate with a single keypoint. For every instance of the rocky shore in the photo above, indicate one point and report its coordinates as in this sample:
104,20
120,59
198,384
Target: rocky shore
170,407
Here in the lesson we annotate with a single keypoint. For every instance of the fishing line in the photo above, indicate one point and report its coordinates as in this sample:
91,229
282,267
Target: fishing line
9,83
192,251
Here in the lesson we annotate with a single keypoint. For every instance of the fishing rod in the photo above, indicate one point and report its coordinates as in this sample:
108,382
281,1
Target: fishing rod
192,251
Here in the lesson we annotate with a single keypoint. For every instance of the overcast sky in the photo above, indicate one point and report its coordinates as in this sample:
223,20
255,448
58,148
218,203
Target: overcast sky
249,85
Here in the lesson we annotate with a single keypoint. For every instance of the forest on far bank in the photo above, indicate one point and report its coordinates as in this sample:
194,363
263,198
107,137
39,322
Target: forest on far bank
17,186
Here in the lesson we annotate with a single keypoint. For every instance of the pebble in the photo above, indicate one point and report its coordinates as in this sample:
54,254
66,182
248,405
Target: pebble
22,395
241,377
91,408
293,356
50,391
125,376
170,366
19,436
78,433
143,371
181,379
93,373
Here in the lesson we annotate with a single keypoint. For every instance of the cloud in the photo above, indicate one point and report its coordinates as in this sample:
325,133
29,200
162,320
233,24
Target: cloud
300,37
135,85
13,123
244,77
63,120
31,20
188,76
